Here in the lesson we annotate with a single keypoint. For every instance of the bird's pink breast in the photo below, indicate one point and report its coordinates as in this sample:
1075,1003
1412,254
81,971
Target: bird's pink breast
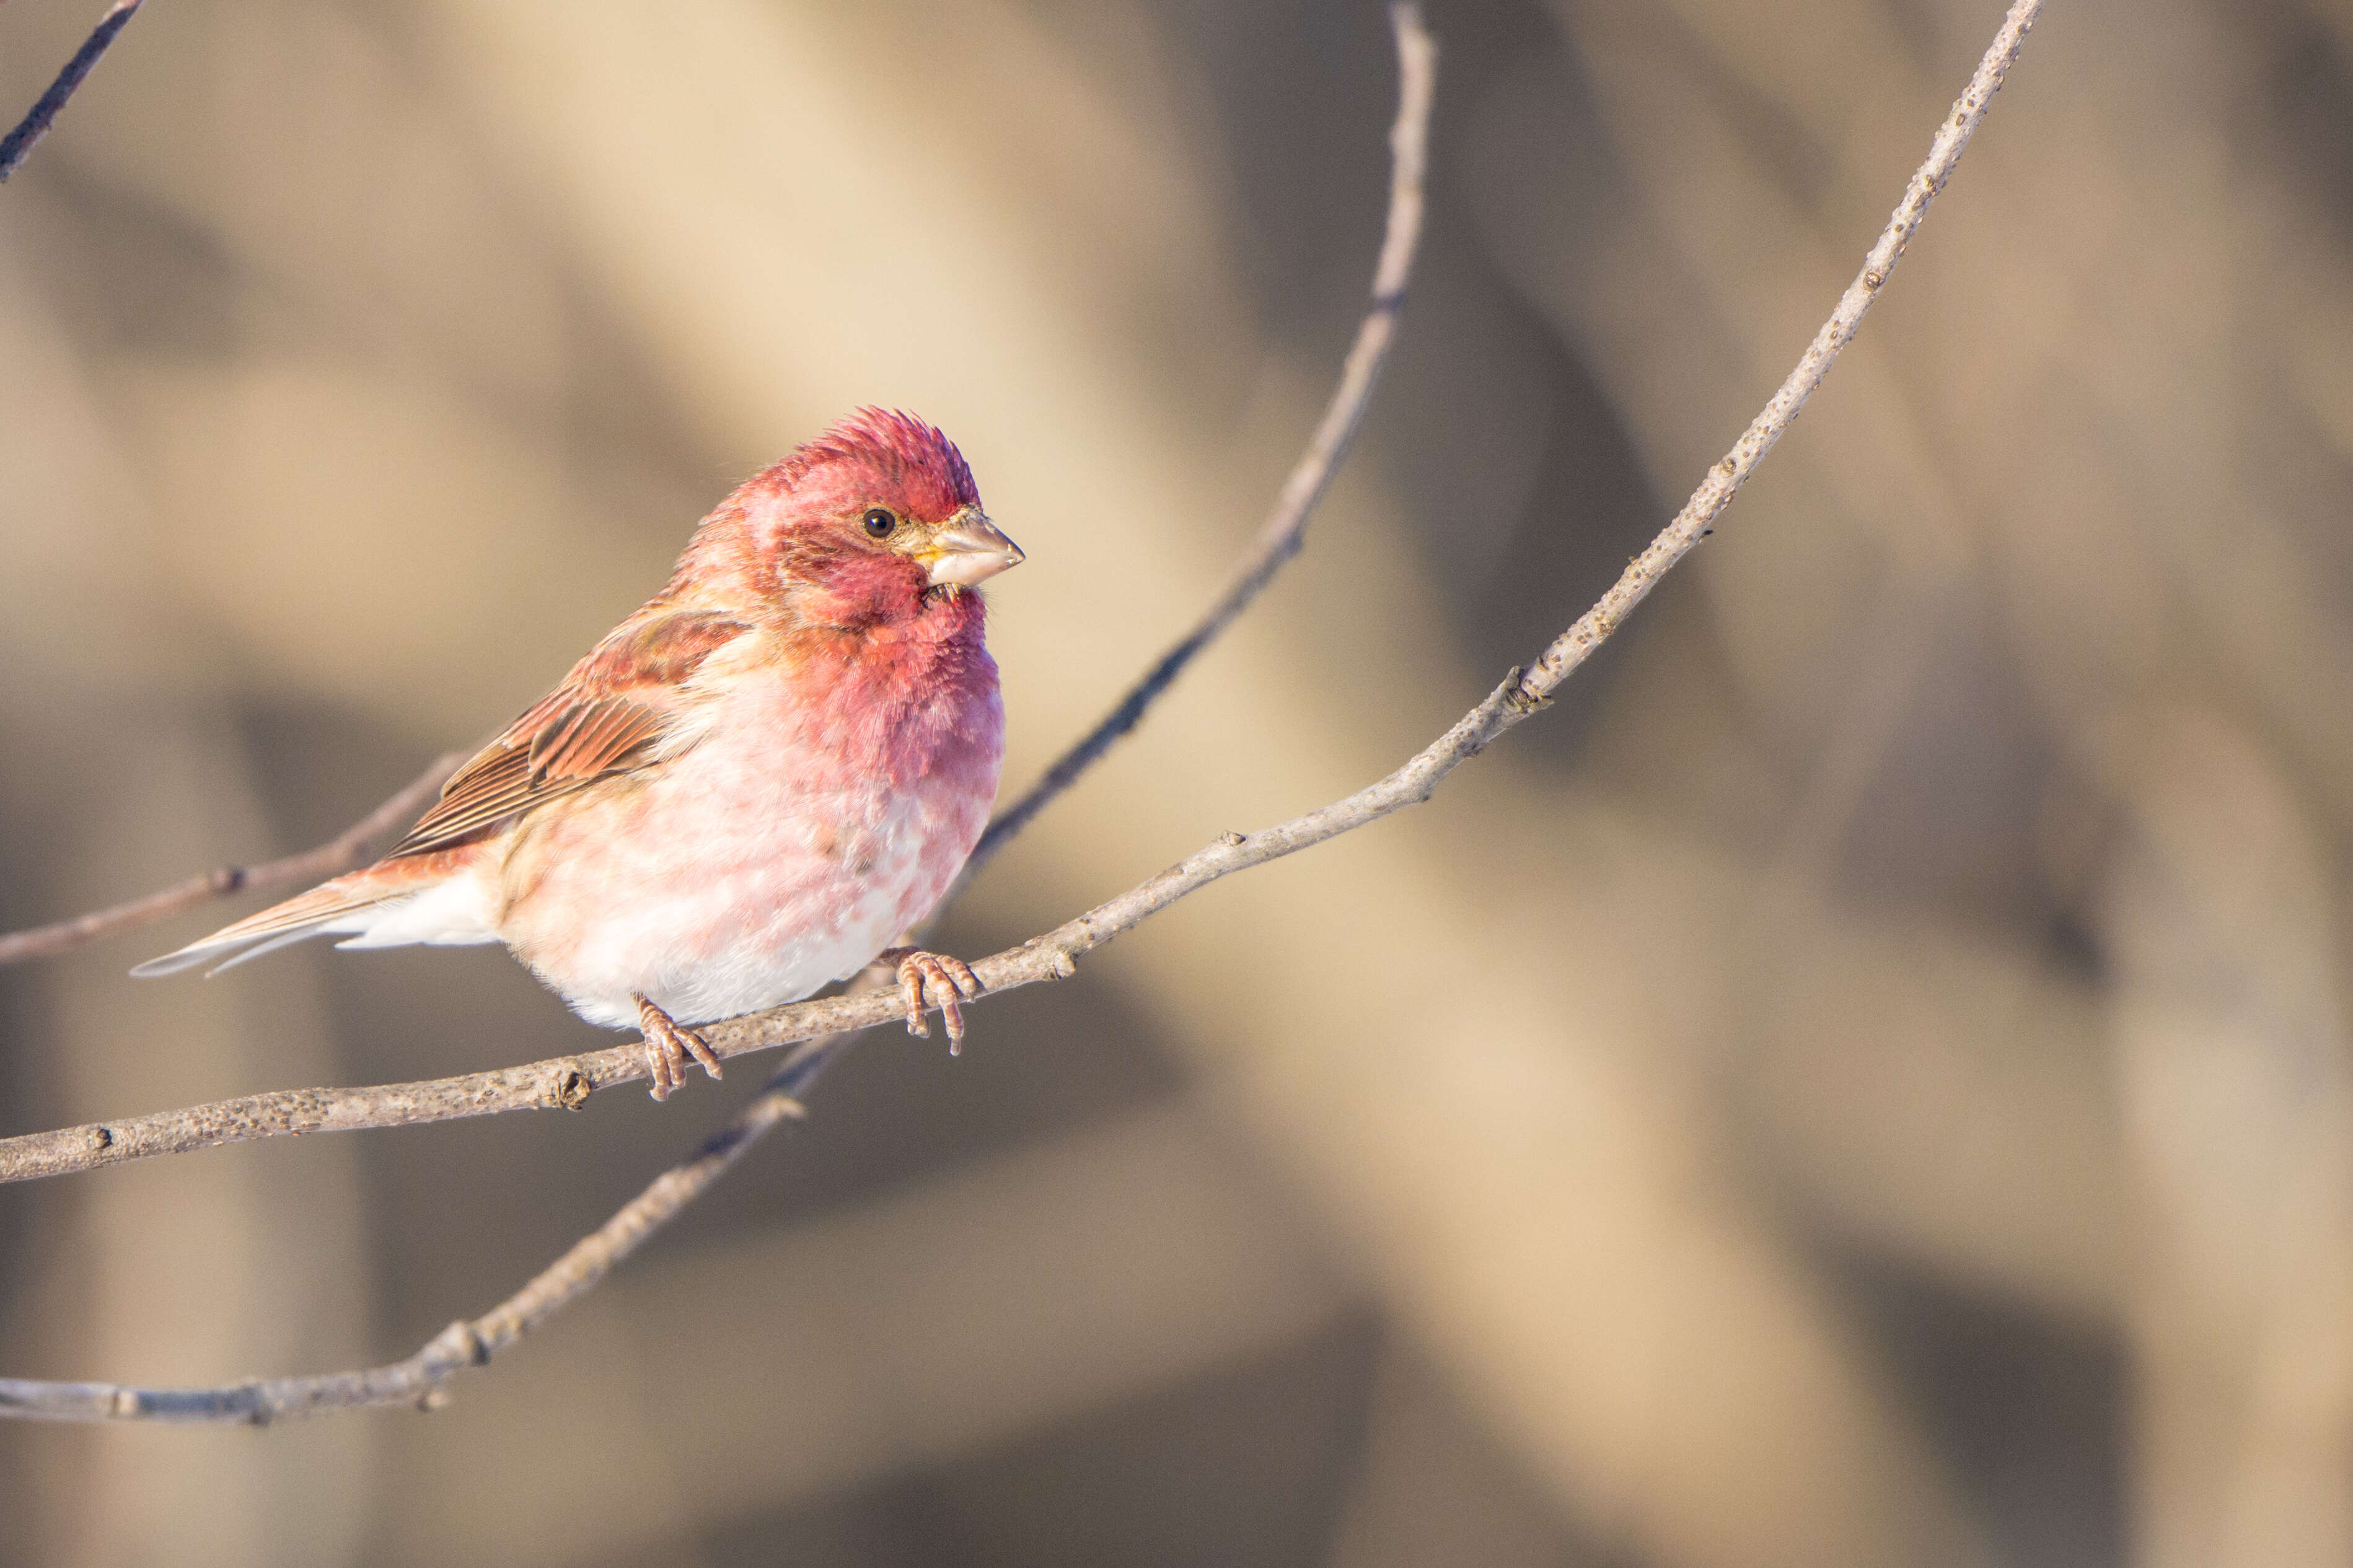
830,796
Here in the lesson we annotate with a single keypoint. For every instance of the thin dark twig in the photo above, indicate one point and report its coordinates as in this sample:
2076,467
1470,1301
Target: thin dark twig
342,852
1052,954
35,123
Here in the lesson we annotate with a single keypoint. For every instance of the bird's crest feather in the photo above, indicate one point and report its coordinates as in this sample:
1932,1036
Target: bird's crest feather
895,449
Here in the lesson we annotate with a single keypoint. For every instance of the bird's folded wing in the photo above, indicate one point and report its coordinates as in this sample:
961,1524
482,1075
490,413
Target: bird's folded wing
609,715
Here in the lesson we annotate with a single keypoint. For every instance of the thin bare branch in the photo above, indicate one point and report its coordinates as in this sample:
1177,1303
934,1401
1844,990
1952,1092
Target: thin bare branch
1285,529
418,1380
35,123
1575,645
341,853
1052,955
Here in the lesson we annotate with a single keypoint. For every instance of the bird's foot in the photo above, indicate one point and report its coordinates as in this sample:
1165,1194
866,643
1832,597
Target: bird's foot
667,1044
949,979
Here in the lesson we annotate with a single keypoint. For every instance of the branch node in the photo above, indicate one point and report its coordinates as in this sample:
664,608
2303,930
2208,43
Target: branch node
434,1398
568,1088
459,1344
1231,840
1519,698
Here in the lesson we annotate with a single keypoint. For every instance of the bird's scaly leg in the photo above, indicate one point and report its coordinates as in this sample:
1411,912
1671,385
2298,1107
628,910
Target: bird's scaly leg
951,980
667,1044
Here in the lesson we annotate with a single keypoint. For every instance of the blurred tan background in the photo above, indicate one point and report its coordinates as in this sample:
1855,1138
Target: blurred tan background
1864,1081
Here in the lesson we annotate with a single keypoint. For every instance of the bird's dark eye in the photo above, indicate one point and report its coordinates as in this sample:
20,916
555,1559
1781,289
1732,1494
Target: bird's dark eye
880,522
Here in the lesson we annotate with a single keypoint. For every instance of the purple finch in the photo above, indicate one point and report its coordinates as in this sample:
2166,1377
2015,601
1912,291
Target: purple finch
749,788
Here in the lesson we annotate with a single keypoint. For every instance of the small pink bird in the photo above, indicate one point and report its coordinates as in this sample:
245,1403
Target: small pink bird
749,788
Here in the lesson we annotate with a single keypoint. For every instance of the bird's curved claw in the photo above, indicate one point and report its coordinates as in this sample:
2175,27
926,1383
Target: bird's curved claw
950,980
669,1043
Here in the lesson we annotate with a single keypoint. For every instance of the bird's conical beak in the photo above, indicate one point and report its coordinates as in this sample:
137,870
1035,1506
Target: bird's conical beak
971,550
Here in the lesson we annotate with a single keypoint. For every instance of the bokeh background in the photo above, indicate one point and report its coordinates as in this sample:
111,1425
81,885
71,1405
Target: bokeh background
1864,1080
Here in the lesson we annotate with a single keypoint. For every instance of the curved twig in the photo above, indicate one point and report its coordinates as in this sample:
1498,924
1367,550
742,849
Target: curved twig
35,123
1050,955
341,853
1284,531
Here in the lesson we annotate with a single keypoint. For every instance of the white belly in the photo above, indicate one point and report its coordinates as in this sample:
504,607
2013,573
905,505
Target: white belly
734,878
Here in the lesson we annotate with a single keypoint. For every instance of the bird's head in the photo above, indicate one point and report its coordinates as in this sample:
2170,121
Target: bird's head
876,521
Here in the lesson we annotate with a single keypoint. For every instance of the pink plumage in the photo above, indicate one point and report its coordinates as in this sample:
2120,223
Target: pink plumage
750,787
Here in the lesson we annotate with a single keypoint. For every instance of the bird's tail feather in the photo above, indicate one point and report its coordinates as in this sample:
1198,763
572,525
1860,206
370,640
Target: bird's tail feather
350,903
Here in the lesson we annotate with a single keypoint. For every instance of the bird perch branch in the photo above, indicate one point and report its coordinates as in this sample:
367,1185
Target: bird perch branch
1052,955
35,123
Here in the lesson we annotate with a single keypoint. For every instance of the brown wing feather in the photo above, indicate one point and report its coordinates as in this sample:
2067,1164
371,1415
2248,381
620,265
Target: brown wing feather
605,718
587,737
